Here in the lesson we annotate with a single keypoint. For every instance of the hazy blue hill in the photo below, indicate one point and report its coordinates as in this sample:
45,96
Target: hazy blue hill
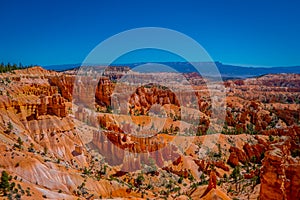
227,70
185,67
62,67
236,71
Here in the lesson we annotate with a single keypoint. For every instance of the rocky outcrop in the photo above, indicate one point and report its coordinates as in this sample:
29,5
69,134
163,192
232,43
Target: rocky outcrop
64,83
205,166
54,105
27,110
250,153
113,154
103,91
212,183
292,131
236,156
280,173
49,178
211,191
144,97
233,159
254,152
132,151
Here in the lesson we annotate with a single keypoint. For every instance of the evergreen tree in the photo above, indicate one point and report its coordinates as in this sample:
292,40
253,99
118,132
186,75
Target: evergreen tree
2,66
8,67
14,67
4,184
235,173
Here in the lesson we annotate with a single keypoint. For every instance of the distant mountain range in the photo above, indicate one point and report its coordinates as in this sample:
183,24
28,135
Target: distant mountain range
227,71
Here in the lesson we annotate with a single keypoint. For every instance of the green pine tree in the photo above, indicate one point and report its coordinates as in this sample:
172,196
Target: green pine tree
4,184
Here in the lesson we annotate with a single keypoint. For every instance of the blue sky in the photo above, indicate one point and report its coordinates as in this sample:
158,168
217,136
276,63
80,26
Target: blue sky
261,33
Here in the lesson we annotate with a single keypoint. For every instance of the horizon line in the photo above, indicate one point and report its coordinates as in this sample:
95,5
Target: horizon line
153,62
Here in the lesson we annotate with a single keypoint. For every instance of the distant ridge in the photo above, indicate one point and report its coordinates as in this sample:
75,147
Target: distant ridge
226,70
62,67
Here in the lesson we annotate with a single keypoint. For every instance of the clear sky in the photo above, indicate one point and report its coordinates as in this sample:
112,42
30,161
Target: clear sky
249,32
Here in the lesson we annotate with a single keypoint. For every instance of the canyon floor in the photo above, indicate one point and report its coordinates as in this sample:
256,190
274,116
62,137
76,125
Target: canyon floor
70,136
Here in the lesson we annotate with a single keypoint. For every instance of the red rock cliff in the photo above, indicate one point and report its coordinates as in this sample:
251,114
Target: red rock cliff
280,173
